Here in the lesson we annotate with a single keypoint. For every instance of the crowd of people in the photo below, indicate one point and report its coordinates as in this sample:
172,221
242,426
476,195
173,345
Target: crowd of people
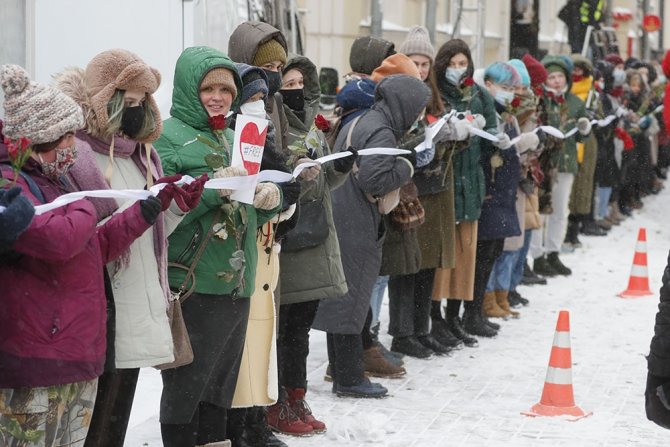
501,170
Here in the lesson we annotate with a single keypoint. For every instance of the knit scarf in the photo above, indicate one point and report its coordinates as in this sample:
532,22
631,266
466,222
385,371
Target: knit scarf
86,175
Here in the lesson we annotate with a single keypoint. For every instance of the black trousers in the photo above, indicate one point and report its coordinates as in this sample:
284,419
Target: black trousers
295,321
208,425
409,303
345,354
114,400
487,253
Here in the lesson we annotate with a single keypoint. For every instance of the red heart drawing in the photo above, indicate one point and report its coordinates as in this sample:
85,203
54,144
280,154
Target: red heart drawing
251,147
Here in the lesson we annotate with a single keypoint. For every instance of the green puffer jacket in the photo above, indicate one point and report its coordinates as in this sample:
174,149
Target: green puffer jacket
182,153
564,117
469,187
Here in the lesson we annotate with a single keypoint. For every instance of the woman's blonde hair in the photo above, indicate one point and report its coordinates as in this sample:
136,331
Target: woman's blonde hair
116,107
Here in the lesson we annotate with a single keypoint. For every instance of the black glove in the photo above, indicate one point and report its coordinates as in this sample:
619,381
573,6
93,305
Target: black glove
290,192
411,157
345,164
541,135
15,218
151,208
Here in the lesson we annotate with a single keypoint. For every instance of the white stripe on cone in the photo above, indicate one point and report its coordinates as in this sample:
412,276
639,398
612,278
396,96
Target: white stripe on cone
559,376
641,247
639,271
562,339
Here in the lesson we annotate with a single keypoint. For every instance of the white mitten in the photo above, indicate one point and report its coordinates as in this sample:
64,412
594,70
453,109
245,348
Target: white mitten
267,196
503,141
230,171
527,141
479,121
584,125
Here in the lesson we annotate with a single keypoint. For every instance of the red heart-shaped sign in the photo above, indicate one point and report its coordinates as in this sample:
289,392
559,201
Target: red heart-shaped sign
251,147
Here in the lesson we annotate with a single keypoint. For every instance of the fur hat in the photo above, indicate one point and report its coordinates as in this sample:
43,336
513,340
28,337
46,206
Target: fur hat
538,74
396,64
418,42
268,52
35,111
582,62
254,80
614,59
219,76
107,72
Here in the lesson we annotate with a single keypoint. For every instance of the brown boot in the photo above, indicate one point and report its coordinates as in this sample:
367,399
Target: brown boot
491,307
376,365
503,302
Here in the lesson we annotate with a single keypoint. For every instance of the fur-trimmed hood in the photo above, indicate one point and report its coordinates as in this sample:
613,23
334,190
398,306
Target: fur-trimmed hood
107,72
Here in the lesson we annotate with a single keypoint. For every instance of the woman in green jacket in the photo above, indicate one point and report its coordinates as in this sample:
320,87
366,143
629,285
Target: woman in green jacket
196,396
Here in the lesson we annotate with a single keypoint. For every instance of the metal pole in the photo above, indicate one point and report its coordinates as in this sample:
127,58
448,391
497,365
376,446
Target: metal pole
481,43
661,12
431,12
294,31
644,44
376,16
456,30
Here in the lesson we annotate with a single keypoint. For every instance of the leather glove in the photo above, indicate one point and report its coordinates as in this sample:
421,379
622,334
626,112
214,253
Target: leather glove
308,174
267,196
290,192
230,171
150,208
188,195
503,141
345,164
166,194
584,125
15,218
528,141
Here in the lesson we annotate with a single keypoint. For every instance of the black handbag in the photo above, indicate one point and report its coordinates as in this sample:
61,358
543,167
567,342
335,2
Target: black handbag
312,228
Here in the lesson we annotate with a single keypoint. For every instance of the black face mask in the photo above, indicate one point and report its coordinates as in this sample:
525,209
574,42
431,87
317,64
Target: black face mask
132,120
294,99
274,81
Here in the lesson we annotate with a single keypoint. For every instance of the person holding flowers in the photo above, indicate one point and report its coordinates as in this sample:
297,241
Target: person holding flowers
53,319
217,240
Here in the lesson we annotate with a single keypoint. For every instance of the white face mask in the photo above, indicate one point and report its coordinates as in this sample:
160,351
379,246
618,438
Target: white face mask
454,75
504,98
254,108
619,77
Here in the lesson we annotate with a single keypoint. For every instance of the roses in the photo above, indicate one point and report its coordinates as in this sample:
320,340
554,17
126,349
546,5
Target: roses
18,152
468,82
221,157
217,122
516,102
322,123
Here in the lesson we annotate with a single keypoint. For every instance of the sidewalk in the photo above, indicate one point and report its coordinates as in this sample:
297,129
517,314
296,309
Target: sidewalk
475,397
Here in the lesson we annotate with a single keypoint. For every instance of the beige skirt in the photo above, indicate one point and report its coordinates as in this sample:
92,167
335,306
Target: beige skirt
459,282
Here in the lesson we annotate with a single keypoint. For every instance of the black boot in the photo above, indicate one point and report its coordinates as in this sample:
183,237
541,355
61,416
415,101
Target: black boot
541,266
530,278
434,345
410,346
495,326
557,265
441,332
590,228
256,431
456,328
571,235
516,300
474,323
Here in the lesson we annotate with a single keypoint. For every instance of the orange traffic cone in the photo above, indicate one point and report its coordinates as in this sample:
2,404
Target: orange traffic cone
638,284
557,396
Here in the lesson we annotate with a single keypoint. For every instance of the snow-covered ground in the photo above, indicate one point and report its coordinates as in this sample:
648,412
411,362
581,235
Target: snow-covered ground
476,396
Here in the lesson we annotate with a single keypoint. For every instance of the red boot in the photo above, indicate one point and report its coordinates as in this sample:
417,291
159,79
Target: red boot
282,419
296,399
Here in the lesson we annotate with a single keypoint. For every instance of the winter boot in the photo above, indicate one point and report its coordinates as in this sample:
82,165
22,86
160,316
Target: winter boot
590,228
495,326
516,300
475,324
410,346
441,333
431,343
256,432
571,234
615,213
296,399
282,419
376,365
557,265
503,302
530,278
541,266
456,328
491,307
365,389
225,443
390,356
328,376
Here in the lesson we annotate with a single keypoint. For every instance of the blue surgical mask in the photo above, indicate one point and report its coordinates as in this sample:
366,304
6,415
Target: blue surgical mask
619,77
454,75
503,98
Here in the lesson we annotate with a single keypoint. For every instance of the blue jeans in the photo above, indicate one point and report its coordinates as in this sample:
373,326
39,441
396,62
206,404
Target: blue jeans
501,275
377,298
517,270
604,194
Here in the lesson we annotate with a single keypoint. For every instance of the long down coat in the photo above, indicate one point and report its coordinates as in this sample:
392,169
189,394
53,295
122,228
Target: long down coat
360,229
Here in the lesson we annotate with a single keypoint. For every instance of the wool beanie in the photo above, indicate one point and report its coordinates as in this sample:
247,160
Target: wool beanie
254,80
536,71
38,112
418,42
396,64
219,76
114,70
521,69
268,52
614,59
368,53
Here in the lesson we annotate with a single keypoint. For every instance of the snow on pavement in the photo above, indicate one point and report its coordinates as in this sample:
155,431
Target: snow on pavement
476,396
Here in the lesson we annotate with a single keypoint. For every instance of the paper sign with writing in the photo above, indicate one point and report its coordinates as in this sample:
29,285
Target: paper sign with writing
248,147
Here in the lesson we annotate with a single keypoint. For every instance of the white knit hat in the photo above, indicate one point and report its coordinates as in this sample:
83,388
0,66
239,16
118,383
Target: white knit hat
418,42
38,112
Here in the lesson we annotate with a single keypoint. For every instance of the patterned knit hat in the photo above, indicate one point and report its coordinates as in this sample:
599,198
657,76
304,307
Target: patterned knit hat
418,42
268,52
538,74
38,112
396,64
219,76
